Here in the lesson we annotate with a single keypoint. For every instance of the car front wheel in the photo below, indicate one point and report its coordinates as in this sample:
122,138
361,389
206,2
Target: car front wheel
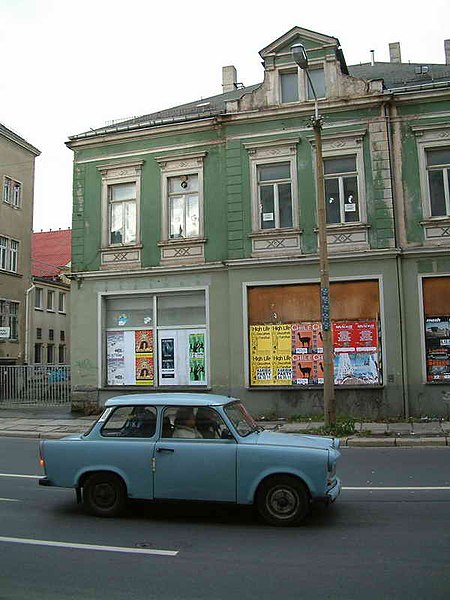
104,495
282,501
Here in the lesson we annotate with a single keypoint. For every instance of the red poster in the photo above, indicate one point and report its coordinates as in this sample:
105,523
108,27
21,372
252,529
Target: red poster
355,336
143,339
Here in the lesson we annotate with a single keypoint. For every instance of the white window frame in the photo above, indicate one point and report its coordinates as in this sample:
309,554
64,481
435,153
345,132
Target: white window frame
9,254
340,177
12,192
425,149
61,302
302,82
268,153
13,255
4,244
114,174
50,306
177,166
38,298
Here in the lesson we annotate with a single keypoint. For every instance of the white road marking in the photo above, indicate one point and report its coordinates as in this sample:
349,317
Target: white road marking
74,546
9,500
21,476
398,488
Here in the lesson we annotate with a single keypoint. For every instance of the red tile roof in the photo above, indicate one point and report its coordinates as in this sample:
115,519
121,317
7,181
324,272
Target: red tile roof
51,251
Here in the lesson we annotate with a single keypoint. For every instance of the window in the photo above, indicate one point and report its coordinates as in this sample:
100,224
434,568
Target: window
38,333
38,353
9,254
183,206
128,421
289,87
275,195
12,192
436,312
61,302
438,168
38,293
50,354
62,335
61,354
122,213
318,80
9,317
294,86
50,300
51,334
341,190
192,422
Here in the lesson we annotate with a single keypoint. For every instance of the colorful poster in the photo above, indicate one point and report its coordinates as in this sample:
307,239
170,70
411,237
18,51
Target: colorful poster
307,369
261,355
355,336
143,341
437,348
143,360
356,368
197,358
281,354
167,358
144,370
307,338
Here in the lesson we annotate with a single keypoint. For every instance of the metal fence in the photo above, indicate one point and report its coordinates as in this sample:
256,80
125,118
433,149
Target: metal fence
36,385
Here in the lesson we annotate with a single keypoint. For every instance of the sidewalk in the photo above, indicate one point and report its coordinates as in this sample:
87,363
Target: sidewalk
56,422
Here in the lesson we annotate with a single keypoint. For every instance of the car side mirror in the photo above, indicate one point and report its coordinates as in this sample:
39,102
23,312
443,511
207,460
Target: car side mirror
226,435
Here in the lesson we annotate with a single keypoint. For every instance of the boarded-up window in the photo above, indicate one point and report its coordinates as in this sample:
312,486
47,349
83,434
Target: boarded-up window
436,296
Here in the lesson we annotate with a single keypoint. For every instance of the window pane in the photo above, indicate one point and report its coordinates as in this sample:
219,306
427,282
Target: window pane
176,216
192,216
438,157
116,223
266,195
289,87
343,164
183,184
318,81
285,204
182,309
332,201
130,222
351,208
122,191
437,193
129,312
61,355
274,172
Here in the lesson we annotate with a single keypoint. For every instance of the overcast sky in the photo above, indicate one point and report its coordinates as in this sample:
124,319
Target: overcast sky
69,65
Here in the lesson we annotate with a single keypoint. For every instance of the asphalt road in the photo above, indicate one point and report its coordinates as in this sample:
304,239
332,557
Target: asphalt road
375,542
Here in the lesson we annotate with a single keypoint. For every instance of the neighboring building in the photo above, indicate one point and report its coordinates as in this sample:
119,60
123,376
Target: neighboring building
17,160
195,240
48,331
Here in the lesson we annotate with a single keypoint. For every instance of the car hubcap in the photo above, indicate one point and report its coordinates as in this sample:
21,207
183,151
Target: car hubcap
104,495
282,503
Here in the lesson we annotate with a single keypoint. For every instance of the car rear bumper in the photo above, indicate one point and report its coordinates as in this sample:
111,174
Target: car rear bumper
45,481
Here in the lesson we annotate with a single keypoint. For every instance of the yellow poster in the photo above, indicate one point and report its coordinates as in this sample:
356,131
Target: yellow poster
282,354
261,349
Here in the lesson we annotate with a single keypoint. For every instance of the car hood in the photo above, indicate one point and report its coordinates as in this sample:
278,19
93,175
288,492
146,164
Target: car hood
274,438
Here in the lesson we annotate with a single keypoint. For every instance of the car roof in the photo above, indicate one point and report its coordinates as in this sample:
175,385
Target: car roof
169,399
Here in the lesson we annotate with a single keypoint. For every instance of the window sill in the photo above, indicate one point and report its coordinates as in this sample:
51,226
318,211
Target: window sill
436,230
12,273
278,232
347,237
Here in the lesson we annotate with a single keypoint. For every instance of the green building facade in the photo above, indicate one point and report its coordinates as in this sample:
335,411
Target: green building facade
195,253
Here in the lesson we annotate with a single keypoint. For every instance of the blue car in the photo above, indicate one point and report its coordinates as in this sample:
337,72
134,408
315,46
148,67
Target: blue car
200,447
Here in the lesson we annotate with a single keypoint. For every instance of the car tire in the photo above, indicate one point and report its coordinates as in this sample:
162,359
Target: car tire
282,501
104,495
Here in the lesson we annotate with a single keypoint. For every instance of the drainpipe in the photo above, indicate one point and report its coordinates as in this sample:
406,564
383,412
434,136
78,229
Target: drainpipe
387,107
27,322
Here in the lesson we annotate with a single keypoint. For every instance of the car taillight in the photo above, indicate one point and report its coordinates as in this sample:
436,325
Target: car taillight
41,455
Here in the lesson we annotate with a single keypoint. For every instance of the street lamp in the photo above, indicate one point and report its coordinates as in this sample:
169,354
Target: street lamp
301,59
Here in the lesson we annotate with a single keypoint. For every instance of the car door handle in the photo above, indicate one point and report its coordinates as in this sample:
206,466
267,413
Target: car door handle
165,450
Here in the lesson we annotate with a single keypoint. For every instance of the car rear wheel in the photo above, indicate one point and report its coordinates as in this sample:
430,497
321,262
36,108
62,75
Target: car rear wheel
104,495
282,501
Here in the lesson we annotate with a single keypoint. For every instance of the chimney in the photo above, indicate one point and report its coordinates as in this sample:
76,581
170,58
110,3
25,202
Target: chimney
229,79
447,51
372,57
395,55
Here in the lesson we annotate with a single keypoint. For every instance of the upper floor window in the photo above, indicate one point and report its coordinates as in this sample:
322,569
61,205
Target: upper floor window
438,167
38,300
183,206
294,86
61,302
12,192
51,334
9,317
9,254
39,333
120,203
62,335
275,195
341,189
50,300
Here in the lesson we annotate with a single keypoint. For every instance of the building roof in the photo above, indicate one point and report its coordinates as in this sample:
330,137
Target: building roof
51,253
400,75
17,139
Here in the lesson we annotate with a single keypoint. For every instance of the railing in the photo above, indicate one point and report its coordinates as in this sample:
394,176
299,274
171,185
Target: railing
37,385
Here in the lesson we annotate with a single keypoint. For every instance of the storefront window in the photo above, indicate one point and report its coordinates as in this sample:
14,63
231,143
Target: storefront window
285,334
436,304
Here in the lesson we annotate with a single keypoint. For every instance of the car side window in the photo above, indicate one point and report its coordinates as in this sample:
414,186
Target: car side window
131,421
193,422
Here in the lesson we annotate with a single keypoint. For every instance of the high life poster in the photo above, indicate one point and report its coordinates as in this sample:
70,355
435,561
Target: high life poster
437,348
261,349
281,354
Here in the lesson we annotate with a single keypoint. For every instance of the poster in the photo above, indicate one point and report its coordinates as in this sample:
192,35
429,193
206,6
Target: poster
307,338
356,368
167,358
281,354
144,370
437,348
115,358
307,369
355,336
143,349
143,341
261,348
196,358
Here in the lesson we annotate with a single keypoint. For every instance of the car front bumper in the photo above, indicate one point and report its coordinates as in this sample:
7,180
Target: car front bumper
332,493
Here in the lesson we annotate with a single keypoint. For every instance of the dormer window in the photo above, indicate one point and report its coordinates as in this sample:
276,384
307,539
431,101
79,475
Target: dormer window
295,87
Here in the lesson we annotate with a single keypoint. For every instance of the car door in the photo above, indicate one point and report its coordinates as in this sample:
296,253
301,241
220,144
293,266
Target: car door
195,468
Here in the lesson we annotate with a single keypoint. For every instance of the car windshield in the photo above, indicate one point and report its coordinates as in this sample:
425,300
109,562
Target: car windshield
243,422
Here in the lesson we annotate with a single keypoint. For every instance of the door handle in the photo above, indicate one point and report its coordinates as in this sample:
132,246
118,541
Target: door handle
165,450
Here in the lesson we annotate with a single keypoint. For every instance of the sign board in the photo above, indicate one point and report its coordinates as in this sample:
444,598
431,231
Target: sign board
5,332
